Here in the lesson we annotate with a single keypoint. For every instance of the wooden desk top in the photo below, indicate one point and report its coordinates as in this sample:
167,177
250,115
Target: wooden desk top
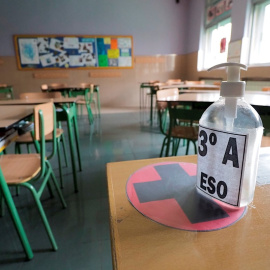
38,101
251,97
190,86
139,243
9,115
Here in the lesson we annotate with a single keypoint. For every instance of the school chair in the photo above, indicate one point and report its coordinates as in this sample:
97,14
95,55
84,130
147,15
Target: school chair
25,170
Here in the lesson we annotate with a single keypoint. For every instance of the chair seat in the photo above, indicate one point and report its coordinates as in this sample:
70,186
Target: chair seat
20,168
190,133
27,138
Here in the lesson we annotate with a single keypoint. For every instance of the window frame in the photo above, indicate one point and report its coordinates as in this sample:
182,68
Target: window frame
204,53
258,14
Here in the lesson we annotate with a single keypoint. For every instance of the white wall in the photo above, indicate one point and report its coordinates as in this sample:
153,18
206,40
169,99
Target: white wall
157,26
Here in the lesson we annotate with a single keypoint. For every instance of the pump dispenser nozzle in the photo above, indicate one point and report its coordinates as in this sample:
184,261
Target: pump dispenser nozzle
231,89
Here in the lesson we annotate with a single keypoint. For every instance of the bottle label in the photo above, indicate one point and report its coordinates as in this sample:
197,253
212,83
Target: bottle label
221,161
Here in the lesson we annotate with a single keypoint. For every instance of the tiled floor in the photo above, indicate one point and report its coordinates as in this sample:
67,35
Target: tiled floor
82,230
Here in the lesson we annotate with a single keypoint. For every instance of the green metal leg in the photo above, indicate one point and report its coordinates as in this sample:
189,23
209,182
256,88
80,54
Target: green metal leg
72,154
77,139
63,140
16,219
59,162
98,100
56,186
188,142
28,148
42,214
90,114
18,148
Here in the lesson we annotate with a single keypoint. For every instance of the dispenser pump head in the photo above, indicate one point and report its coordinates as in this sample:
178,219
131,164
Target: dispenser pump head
233,87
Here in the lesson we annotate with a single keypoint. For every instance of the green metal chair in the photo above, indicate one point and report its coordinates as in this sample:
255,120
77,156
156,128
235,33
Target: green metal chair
5,193
86,93
24,170
26,139
178,130
163,114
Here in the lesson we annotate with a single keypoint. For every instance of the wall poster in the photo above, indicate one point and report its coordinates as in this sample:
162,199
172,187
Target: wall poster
57,52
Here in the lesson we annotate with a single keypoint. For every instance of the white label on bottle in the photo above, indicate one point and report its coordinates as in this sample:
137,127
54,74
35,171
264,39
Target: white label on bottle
221,157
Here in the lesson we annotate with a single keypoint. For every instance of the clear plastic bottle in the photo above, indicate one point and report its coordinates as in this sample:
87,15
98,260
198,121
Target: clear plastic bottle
230,134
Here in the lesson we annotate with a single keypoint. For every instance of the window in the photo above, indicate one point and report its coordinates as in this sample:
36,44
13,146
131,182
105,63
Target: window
217,33
217,43
260,38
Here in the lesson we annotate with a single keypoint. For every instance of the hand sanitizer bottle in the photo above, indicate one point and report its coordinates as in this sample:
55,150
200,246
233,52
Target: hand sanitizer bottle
229,139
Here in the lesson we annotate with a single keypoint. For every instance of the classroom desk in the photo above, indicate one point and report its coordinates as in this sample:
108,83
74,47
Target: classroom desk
190,86
66,89
11,115
260,101
181,86
38,101
140,243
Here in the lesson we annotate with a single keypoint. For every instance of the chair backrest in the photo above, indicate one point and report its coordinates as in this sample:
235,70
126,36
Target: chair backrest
47,110
162,106
32,95
180,113
166,93
45,123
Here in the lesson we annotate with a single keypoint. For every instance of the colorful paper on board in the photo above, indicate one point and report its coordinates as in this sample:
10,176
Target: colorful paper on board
114,43
107,40
125,52
100,46
103,60
113,53
166,193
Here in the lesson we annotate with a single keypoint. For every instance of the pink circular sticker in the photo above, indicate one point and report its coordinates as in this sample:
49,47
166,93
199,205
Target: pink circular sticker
167,193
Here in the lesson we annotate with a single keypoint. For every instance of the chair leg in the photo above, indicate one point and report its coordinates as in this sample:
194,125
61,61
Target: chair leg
62,139
176,144
168,147
28,148
18,148
188,141
90,114
17,221
64,146
162,147
42,214
72,154
59,162
77,139
98,101
195,147
57,186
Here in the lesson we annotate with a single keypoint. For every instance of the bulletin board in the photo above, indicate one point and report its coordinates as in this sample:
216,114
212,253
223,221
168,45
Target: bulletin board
64,52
